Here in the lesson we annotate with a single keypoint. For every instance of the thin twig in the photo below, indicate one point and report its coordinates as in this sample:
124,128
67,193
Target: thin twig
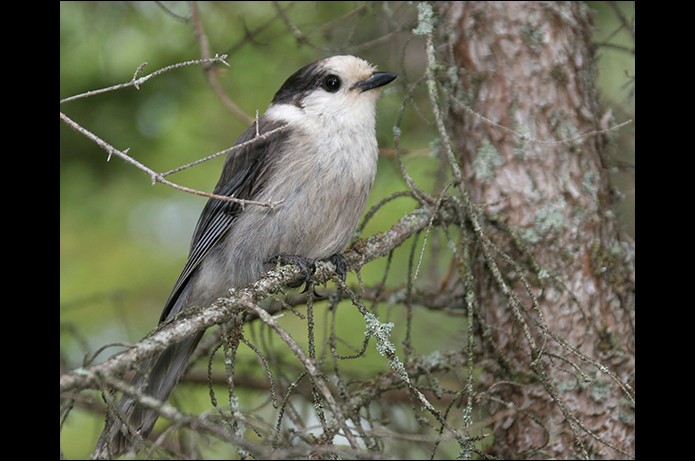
210,71
524,137
156,177
257,138
136,82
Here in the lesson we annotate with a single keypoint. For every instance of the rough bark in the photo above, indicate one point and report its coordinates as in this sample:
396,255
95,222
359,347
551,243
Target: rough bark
531,67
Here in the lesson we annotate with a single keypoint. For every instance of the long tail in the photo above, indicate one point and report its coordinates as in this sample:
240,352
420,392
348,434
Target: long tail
167,368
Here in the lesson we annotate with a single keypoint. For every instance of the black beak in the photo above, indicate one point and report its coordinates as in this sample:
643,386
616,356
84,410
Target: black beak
375,81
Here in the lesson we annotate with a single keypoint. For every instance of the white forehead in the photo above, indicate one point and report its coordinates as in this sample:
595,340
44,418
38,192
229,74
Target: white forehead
350,67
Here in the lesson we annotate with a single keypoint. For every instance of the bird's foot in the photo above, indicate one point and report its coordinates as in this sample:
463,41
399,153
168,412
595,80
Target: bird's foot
307,267
340,265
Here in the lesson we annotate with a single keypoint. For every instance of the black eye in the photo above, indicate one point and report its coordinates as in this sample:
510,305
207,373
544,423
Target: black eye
331,84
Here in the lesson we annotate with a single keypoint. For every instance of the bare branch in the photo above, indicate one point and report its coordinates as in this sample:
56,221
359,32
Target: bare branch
224,310
210,72
159,178
136,82
257,138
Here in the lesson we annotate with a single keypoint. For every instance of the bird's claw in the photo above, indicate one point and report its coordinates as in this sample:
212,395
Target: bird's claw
307,267
340,264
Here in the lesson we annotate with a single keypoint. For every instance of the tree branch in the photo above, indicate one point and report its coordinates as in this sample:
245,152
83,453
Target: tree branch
159,178
225,309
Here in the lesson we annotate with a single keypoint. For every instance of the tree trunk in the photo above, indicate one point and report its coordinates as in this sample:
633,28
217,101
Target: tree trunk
531,67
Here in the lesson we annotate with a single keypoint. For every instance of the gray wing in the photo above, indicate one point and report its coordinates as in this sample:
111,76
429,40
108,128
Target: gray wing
244,175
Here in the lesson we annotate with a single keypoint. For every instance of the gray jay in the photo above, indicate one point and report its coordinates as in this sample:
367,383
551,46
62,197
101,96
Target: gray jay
321,165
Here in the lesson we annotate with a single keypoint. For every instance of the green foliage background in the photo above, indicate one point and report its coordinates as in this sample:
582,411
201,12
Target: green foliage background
124,241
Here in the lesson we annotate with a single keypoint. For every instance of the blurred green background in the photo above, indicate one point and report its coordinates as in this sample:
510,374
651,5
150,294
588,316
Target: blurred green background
123,241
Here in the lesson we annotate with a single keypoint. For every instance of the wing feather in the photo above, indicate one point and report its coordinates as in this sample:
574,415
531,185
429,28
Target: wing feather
245,173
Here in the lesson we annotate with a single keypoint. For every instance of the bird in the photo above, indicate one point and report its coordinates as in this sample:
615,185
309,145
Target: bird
314,151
